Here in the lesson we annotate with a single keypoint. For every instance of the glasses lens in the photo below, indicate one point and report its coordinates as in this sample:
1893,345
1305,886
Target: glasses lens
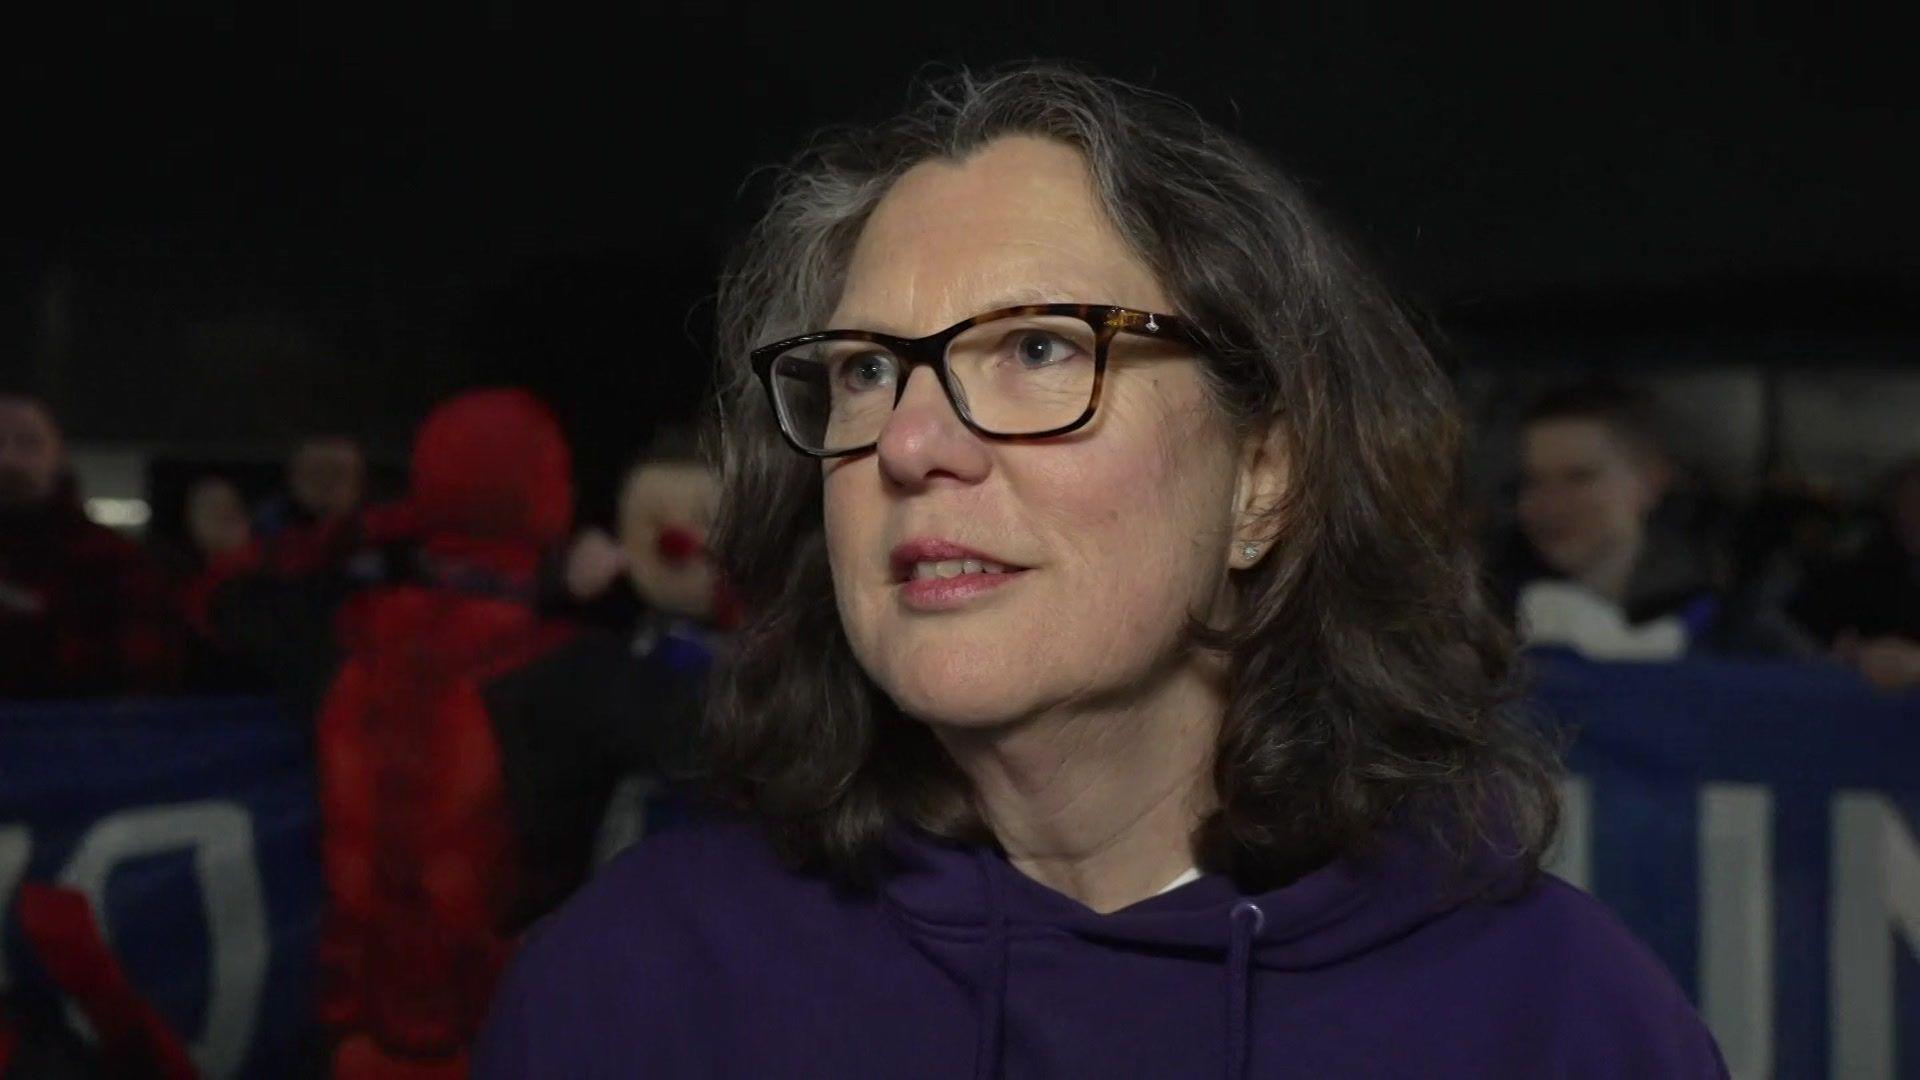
835,395
1025,374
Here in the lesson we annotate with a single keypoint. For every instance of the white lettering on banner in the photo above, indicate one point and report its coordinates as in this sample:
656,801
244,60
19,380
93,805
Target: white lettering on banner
1571,857
16,844
1735,872
1875,902
220,835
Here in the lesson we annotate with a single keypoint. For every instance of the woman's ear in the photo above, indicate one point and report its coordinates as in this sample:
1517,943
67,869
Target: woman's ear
1259,486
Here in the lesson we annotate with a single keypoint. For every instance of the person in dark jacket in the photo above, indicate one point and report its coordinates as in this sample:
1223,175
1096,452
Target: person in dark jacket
1867,608
1609,561
326,481
218,533
84,612
597,737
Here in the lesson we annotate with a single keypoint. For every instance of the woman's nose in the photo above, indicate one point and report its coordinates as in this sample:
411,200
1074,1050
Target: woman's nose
925,438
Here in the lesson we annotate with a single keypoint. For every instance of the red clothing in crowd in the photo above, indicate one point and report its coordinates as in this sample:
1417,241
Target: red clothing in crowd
417,841
83,611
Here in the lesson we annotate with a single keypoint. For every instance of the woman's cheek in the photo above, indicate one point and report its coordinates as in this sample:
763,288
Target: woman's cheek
844,526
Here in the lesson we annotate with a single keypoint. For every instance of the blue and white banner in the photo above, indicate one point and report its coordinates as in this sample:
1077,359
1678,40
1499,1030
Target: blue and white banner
190,827
1759,827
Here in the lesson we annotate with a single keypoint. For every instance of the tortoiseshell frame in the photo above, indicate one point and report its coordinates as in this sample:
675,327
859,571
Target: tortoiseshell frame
931,351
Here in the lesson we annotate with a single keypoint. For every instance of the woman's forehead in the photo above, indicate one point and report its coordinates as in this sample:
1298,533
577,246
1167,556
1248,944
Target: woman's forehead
1017,222
930,306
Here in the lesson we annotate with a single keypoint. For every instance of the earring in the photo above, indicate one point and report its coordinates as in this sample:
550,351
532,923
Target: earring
1249,550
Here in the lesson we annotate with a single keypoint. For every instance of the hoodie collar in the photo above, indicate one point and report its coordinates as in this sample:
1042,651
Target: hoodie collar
1343,909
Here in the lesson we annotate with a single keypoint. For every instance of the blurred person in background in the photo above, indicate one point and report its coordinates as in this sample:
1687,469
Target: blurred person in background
326,482
219,533
419,843
1867,608
217,520
1608,562
655,572
268,602
666,513
83,611
476,726
617,708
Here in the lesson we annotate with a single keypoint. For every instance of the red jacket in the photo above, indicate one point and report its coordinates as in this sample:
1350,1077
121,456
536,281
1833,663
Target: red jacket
416,840
83,611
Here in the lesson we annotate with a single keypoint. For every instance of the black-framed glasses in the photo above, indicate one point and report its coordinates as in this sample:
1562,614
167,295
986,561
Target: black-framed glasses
1026,372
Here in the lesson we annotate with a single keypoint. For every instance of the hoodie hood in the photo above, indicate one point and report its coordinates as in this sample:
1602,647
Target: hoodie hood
1342,910
700,952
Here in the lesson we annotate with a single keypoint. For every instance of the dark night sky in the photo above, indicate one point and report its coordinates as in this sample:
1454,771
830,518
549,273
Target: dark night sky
253,230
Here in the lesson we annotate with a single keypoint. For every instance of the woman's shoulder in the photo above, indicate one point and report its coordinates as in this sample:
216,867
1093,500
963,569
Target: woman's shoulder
1577,967
644,955
1576,929
667,884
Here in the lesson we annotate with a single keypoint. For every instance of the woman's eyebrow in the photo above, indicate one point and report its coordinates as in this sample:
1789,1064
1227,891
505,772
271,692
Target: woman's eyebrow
1015,297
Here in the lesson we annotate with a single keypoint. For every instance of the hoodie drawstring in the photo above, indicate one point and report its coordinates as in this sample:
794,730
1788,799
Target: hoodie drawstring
994,992
1244,924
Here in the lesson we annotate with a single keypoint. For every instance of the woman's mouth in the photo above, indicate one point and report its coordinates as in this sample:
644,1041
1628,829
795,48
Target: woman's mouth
951,568
936,574
951,583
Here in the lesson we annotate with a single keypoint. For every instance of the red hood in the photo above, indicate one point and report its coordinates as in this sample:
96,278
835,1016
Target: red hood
491,471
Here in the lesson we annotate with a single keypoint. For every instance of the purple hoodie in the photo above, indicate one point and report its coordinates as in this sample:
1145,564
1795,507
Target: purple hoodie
698,954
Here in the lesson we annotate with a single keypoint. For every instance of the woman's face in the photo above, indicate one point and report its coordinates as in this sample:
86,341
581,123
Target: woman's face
1116,532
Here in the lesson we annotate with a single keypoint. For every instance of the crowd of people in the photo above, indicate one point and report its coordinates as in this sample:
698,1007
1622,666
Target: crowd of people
1608,548
88,611
1617,553
480,672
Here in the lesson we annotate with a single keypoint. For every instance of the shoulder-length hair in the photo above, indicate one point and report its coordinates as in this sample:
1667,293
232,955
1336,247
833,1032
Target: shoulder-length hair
1369,678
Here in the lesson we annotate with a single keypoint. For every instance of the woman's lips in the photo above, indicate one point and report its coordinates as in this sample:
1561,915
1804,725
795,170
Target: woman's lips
907,558
943,594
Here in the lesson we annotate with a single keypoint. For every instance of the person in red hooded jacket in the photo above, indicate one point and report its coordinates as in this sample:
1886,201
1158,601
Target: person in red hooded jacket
417,838
469,728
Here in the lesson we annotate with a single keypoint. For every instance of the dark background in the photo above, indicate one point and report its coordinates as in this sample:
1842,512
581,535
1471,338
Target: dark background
230,233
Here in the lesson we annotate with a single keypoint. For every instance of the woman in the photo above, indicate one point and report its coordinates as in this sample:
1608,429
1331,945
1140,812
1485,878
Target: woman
1116,696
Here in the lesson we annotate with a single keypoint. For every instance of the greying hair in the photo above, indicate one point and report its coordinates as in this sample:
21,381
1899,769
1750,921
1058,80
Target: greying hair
1369,678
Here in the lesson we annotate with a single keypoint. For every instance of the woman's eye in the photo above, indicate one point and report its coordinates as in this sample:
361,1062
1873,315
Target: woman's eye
868,372
1037,348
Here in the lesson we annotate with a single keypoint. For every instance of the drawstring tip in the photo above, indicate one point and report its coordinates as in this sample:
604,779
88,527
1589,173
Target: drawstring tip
1244,924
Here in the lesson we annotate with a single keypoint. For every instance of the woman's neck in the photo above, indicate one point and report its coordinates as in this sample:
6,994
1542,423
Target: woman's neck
1100,803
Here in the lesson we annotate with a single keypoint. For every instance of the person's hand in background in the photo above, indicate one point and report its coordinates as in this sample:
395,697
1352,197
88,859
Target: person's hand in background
1890,663
593,562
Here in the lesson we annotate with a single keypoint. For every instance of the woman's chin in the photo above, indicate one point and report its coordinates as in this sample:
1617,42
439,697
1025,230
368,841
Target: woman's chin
962,707
948,678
